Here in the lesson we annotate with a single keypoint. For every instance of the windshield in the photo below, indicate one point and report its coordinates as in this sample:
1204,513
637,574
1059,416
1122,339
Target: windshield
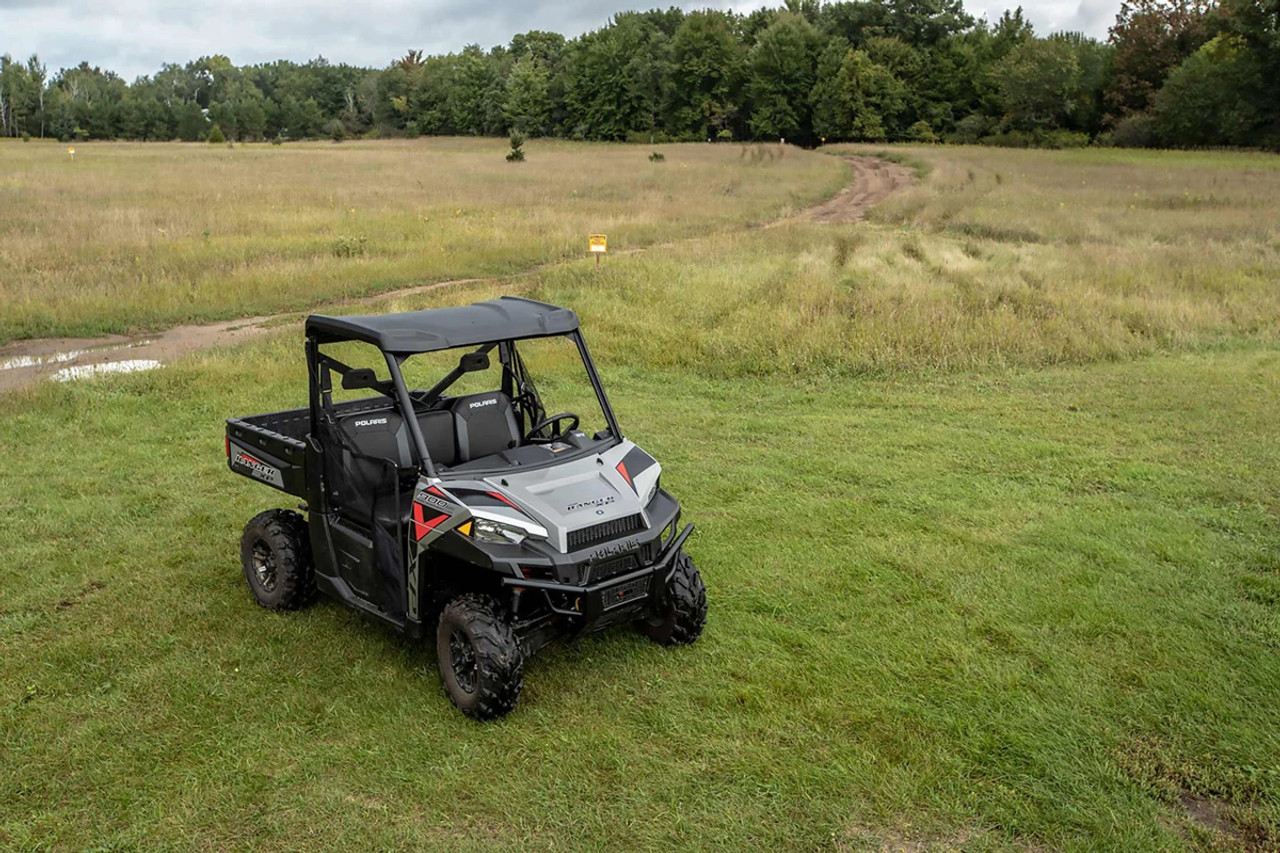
495,406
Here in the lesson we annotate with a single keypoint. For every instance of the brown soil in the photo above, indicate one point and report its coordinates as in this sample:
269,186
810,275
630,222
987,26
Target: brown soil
22,363
874,180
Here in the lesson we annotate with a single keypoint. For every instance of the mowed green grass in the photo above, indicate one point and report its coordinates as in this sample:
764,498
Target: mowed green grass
129,238
980,579
1015,612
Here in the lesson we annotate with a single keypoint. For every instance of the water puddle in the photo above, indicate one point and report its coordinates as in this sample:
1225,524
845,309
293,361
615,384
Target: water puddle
23,361
85,371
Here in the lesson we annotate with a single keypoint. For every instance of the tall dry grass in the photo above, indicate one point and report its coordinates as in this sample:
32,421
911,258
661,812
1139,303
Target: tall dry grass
995,258
133,236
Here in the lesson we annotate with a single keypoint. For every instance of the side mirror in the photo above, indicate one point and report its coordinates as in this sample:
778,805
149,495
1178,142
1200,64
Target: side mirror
472,362
360,377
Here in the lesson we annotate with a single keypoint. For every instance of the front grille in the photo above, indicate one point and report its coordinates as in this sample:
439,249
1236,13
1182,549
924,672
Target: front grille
625,593
604,531
606,569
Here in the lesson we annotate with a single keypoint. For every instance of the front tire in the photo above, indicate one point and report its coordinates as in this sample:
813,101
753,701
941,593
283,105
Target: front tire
481,662
684,613
275,552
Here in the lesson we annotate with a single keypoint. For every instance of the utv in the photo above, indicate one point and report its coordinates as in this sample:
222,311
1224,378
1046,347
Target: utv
473,515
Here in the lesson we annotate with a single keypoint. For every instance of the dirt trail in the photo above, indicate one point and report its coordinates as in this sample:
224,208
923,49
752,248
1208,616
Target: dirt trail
22,363
874,180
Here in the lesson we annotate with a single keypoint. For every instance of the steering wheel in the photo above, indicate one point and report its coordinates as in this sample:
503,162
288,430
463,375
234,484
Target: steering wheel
532,436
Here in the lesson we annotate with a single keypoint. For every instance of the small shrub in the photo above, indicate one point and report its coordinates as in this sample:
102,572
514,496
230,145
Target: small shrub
216,136
277,140
1009,139
516,154
1134,131
921,132
1063,139
80,134
336,131
26,137
971,129
725,135
657,157
845,246
350,246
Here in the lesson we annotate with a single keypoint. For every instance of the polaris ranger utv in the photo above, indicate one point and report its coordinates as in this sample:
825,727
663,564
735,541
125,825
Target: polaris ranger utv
470,514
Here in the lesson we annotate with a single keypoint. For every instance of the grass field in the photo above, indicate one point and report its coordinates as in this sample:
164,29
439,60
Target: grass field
990,528
130,237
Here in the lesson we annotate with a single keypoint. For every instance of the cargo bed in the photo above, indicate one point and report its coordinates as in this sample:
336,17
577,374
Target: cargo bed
272,448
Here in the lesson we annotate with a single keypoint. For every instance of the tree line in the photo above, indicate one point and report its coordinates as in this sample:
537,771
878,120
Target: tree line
1171,73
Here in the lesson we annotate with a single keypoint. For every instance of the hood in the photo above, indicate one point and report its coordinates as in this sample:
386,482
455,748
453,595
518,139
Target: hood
575,494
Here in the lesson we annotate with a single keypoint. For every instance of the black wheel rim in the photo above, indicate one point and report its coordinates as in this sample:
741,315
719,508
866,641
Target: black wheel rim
264,566
462,657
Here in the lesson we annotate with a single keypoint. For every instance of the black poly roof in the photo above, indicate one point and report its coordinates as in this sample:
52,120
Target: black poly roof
507,318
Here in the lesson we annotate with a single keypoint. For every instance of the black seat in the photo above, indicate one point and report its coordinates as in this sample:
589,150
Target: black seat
380,433
486,424
437,431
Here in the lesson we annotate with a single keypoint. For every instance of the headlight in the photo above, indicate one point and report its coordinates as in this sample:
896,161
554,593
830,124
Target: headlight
653,492
487,530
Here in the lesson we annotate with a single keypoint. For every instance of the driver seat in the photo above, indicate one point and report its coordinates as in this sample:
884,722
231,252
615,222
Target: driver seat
485,424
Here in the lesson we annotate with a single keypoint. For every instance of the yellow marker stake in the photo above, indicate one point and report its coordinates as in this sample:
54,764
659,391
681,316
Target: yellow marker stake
598,244
72,152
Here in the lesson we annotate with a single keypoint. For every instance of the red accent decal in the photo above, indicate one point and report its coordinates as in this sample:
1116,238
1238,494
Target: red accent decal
622,469
420,527
504,500
433,490
227,439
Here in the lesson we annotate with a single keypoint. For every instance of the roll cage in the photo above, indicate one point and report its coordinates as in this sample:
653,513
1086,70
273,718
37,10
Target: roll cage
476,330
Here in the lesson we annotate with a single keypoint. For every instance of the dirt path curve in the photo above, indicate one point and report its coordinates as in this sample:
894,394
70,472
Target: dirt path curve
23,363
874,180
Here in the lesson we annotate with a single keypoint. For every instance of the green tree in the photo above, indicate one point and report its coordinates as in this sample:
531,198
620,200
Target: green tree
864,99
1037,81
706,75
251,119
1257,24
525,106
191,124
38,74
223,117
472,76
1213,97
1151,38
826,100
781,74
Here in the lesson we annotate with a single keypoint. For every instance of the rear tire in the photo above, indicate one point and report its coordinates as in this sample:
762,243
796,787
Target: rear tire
275,552
481,662
681,618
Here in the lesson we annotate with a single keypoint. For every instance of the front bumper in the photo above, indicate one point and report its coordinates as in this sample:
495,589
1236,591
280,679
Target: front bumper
612,600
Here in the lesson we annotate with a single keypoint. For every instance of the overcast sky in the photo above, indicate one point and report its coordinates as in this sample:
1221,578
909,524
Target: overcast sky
135,37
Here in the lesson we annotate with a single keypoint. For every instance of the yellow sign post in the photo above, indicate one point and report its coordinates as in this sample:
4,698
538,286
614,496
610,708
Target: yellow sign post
598,245
72,152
